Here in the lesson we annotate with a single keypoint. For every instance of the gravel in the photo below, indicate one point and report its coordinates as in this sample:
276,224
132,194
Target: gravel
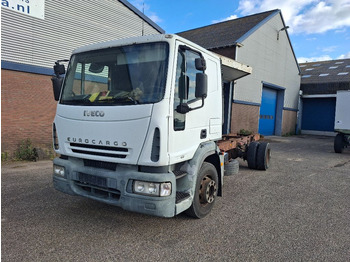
297,210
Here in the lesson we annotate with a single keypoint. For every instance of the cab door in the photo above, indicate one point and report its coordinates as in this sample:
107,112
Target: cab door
186,130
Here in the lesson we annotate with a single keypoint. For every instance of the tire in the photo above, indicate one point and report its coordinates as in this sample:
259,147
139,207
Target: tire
252,155
263,156
205,192
232,168
339,143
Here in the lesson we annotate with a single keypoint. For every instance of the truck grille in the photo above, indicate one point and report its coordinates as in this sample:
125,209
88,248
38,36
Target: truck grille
92,180
96,186
107,151
100,164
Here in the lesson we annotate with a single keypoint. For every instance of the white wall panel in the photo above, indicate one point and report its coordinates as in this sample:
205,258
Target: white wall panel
272,61
67,25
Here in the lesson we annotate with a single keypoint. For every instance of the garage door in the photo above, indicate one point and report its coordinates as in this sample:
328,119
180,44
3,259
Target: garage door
318,114
267,118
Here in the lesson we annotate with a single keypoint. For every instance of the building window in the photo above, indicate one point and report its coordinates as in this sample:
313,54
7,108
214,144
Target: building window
338,63
343,73
324,74
305,76
309,69
333,67
316,65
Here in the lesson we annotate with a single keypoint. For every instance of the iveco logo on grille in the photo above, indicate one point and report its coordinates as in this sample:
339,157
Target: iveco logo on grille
94,113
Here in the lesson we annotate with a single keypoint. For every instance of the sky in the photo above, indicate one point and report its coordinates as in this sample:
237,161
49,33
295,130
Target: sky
319,29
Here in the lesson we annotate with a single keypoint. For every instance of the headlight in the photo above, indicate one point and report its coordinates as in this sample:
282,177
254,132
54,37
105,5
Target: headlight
151,188
58,170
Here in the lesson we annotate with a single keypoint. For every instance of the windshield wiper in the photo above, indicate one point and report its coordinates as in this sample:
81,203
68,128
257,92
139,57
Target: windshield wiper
105,100
124,99
77,101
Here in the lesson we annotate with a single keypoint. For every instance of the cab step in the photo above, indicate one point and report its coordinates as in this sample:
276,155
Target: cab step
178,173
181,196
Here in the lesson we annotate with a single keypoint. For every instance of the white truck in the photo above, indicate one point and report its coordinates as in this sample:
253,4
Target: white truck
139,125
342,121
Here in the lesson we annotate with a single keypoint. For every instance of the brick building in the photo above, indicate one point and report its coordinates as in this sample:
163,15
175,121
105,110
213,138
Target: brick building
267,100
33,38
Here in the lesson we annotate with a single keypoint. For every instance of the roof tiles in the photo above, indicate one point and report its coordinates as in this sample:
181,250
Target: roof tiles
325,71
326,77
227,33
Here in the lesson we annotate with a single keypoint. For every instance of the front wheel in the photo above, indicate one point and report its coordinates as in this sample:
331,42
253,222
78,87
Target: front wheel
205,192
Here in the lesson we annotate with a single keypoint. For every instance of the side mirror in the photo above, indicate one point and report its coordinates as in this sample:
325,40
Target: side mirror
201,92
57,85
59,69
57,79
201,85
183,87
183,108
200,64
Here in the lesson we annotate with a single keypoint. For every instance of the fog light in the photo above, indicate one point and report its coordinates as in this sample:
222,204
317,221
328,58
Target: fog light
58,170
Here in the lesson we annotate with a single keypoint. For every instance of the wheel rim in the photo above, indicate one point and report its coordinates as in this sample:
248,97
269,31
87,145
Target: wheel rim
268,156
207,191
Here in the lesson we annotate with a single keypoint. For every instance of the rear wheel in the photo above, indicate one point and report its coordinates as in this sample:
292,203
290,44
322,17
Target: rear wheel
263,156
252,155
205,192
339,143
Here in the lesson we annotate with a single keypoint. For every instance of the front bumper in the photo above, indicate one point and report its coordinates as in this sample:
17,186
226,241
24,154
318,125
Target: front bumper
115,186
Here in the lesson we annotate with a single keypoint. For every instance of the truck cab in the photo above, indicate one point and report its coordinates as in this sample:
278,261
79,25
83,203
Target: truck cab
137,123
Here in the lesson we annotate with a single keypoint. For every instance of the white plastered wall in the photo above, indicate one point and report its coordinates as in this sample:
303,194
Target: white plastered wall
272,61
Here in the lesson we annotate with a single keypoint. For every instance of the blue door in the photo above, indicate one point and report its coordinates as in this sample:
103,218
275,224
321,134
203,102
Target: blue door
267,118
318,114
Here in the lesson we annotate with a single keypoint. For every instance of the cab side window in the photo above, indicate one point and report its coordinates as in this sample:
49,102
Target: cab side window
185,84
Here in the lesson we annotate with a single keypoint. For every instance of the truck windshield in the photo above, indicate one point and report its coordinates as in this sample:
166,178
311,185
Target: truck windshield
127,75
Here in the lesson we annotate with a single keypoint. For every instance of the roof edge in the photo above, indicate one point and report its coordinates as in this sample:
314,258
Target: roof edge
324,61
252,30
257,26
142,16
226,21
290,43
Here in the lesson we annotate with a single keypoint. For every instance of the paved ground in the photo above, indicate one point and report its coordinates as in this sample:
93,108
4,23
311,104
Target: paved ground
298,210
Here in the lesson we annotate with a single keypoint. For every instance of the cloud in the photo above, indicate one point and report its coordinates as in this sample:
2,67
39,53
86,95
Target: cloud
347,55
313,59
341,31
143,7
304,16
231,17
329,49
154,17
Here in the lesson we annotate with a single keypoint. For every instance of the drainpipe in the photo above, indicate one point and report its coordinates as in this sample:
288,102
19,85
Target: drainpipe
299,113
